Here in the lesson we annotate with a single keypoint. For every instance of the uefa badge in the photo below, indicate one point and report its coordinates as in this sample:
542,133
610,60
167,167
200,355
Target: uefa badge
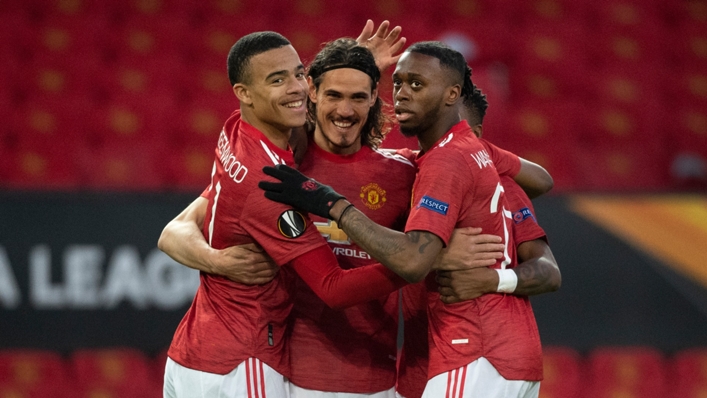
373,196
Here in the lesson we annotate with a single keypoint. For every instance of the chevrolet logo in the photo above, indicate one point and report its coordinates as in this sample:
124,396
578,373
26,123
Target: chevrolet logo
332,233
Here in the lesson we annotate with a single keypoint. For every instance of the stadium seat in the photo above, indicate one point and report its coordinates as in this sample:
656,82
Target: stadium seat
626,15
688,376
33,374
562,372
626,372
120,372
552,10
481,42
688,86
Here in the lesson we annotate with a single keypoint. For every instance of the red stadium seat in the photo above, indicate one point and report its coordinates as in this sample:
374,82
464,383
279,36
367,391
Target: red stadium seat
689,46
613,47
688,86
552,10
481,42
114,372
545,133
626,15
626,372
33,374
688,376
690,130
190,167
562,372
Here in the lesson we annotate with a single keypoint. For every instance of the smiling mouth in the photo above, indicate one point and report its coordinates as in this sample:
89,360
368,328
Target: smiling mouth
294,104
342,125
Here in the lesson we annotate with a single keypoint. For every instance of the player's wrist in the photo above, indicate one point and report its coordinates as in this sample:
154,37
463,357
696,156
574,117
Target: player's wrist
507,281
337,210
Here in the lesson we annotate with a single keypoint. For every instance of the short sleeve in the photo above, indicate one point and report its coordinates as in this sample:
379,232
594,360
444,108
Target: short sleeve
438,194
525,224
506,163
284,233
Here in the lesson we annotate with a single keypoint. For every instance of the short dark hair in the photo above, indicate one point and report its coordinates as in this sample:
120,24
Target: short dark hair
248,46
449,58
476,103
346,53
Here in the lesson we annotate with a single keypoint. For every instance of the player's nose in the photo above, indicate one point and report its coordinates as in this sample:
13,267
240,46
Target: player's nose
345,109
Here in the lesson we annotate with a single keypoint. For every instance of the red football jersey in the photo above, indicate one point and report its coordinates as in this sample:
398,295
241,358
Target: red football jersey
351,350
457,186
229,322
412,364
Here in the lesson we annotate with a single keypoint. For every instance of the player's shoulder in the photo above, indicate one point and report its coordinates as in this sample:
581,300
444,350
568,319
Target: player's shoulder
396,158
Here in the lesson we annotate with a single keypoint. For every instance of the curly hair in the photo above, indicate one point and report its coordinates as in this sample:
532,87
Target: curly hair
346,53
477,104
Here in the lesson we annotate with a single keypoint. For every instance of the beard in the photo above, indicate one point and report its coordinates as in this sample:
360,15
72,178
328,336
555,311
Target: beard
343,143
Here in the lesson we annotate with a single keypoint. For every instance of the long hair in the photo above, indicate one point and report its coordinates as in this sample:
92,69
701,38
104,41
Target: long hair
346,53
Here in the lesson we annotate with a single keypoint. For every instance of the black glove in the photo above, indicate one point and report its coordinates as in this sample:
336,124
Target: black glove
299,191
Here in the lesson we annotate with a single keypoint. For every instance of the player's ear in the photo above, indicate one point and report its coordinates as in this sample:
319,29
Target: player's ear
242,93
312,89
453,94
374,97
478,130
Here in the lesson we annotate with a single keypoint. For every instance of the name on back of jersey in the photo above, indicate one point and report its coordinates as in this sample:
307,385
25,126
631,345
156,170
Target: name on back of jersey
231,165
482,158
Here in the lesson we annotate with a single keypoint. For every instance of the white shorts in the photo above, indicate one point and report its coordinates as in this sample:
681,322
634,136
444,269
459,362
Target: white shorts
251,379
299,392
479,379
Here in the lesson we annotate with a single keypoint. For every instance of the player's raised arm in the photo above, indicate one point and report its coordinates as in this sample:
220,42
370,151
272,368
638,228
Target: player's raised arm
410,255
533,178
385,45
183,240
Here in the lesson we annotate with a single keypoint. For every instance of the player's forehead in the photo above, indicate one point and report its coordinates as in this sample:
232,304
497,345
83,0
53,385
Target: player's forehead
282,60
345,80
417,64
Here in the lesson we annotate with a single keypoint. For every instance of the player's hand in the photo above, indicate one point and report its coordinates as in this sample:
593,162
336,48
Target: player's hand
456,286
468,248
384,45
299,191
247,264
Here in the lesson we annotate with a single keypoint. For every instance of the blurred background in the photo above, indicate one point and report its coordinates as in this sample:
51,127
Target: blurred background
110,113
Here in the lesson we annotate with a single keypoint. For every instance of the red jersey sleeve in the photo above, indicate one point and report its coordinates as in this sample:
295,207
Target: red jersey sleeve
438,194
507,163
205,194
525,224
283,232
340,288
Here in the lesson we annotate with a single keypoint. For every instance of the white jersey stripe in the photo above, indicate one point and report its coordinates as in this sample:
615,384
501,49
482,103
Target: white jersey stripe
390,154
275,159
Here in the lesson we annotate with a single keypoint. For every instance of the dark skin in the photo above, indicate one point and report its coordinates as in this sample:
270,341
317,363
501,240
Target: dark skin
426,99
433,112
537,273
537,270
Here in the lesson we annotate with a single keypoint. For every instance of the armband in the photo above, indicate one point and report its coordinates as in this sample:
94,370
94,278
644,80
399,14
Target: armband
507,281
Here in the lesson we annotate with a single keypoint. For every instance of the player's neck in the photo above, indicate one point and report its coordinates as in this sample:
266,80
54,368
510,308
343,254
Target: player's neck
279,136
429,137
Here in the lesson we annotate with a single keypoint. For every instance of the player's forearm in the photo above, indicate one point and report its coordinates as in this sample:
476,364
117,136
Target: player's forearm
533,178
340,288
184,242
409,255
538,272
